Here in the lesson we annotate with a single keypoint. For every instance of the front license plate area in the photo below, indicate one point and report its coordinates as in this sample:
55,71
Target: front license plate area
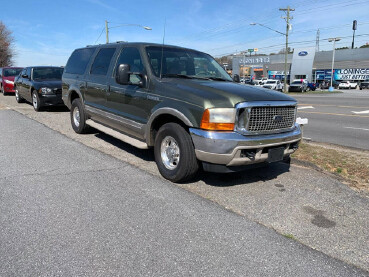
275,154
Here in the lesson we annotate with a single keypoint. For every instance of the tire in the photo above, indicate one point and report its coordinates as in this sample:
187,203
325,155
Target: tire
78,117
3,91
180,164
361,88
36,103
18,98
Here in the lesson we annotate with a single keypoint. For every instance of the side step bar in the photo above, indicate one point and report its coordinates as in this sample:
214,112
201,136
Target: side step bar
134,142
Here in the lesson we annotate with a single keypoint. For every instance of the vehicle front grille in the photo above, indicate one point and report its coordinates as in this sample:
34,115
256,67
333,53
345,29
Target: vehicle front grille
267,118
57,90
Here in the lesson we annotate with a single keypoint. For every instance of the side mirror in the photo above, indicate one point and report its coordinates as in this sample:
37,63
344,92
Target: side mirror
122,74
25,76
236,78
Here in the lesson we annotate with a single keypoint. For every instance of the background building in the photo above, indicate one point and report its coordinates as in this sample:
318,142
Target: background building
305,63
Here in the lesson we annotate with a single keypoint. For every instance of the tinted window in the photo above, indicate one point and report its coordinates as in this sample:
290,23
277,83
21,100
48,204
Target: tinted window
184,62
28,72
132,57
78,61
47,73
12,72
102,61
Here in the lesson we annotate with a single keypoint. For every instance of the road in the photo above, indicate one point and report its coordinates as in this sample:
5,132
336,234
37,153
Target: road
69,210
341,119
312,207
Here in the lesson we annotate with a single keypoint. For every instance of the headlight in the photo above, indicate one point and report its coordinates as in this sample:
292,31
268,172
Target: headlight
9,82
45,90
220,119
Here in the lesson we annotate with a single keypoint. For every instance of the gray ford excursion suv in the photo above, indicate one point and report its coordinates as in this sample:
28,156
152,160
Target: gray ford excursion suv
182,103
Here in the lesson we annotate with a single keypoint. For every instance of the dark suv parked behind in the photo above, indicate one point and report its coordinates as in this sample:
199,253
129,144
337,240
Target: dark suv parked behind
40,85
182,103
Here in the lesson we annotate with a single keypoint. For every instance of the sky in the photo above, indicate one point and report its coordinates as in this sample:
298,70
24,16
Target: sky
46,32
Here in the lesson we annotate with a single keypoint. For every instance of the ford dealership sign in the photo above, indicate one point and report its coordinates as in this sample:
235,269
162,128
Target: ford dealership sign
303,53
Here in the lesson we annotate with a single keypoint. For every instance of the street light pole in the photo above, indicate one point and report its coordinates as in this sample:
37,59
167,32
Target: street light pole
286,51
107,28
107,31
285,34
334,51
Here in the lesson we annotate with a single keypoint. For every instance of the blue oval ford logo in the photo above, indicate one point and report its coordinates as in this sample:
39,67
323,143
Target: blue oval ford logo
303,53
277,118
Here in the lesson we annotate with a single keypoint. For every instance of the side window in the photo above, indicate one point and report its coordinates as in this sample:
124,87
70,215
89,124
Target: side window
102,61
78,61
28,72
1,72
132,57
23,72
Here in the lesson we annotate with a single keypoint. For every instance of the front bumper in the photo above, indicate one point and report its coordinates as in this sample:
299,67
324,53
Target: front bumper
51,99
297,89
233,149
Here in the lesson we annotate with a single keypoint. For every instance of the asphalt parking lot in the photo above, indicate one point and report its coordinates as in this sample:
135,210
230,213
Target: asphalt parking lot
306,205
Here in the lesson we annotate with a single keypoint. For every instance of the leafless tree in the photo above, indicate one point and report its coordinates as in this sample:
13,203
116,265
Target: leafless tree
6,46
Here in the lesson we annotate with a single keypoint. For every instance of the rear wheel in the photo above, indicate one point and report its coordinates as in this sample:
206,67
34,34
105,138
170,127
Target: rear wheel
36,103
78,117
175,153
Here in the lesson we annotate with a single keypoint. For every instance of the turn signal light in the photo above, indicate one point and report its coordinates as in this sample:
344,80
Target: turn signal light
216,120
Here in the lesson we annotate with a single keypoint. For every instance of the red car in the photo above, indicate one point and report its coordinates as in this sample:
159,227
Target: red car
7,75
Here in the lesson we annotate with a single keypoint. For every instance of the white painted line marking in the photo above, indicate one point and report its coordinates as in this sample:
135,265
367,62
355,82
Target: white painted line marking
361,112
356,128
305,107
306,138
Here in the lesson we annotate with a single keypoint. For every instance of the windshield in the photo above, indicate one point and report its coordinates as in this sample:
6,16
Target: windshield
184,63
8,72
271,82
297,82
48,73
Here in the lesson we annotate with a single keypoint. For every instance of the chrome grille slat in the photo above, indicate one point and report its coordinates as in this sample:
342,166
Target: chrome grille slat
260,119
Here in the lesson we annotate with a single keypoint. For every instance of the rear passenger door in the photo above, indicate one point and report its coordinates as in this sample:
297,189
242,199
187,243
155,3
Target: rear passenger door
97,81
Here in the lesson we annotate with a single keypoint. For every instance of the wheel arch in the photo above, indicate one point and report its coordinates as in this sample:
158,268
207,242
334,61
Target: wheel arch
163,116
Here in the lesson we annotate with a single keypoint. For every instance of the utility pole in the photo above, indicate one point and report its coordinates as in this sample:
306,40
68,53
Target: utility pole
354,27
107,31
287,18
317,40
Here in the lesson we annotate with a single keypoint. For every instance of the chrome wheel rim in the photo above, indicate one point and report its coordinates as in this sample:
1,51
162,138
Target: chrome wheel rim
76,117
34,100
170,153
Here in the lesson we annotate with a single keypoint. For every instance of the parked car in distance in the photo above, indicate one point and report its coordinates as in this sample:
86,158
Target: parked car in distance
312,86
40,85
273,84
326,84
151,95
298,86
364,84
7,75
347,85
260,83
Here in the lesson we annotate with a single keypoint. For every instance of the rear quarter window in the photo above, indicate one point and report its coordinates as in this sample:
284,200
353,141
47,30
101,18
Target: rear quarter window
78,61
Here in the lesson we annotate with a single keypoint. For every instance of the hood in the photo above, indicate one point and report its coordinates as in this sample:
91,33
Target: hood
48,83
218,93
10,78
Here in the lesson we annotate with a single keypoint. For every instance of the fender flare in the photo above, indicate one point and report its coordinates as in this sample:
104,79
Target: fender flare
160,111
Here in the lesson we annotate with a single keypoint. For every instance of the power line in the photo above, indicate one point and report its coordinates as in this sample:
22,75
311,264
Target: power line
100,35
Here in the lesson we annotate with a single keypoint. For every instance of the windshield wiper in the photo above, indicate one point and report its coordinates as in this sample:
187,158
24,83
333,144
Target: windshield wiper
177,76
218,79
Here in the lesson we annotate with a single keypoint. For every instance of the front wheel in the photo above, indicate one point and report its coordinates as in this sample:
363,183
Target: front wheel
17,96
78,117
175,153
3,91
36,103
